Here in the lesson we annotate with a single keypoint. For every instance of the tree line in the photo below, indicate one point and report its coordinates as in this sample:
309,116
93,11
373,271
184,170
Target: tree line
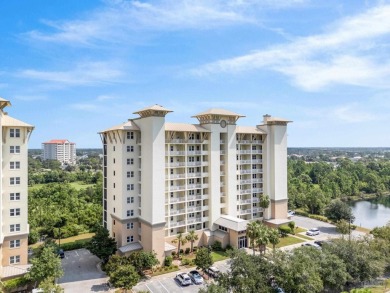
314,185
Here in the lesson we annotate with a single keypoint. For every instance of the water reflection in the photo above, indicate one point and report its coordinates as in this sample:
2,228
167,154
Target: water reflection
371,213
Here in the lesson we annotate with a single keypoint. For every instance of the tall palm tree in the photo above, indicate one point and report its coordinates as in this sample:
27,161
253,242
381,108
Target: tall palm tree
252,232
180,240
192,237
264,201
262,237
273,237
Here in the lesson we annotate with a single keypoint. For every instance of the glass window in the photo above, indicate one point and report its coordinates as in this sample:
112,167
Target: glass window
15,259
14,196
14,132
14,228
14,212
14,165
14,149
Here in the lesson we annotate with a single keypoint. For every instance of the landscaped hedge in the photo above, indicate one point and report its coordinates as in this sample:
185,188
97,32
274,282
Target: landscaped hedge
82,243
301,212
284,230
15,283
319,218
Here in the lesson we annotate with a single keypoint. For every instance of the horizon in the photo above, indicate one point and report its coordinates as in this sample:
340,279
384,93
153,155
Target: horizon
75,68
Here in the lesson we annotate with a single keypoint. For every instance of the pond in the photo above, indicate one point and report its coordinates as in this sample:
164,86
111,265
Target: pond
371,213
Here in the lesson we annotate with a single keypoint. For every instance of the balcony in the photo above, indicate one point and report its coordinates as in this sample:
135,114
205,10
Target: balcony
194,163
222,162
176,212
245,201
222,141
222,152
244,212
244,151
257,170
194,141
246,181
257,151
242,162
176,224
194,209
175,199
222,194
176,141
191,175
245,191
194,197
258,161
243,141
222,173
245,171
255,199
192,220
259,180
255,210
257,189
175,187
177,164
191,153
193,186
177,153
176,176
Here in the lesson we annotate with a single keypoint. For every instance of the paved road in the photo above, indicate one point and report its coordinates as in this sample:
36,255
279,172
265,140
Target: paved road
81,273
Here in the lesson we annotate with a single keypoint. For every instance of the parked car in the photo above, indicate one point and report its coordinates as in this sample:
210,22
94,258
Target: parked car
316,246
213,272
196,277
183,279
290,213
313,232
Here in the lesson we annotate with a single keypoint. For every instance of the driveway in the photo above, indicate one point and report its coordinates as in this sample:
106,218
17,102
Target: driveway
81,273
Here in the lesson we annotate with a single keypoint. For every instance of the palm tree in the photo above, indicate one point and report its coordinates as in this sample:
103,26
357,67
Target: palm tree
192,237
264,201
252,232
180,240
262,237
273,237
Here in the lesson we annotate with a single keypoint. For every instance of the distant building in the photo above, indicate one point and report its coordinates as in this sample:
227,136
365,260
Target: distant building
14,227
163,178
61,150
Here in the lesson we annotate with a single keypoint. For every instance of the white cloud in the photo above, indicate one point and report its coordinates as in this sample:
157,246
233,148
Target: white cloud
117,20
82,74
350,52
351,114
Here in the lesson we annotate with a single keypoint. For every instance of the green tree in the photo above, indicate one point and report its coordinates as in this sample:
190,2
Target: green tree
338,210
192,237
45,266
48,286
124,277
101,244
291,225
180,240
264,201
143,260
212,288
203,259
252,232
343,227
262,238
273,237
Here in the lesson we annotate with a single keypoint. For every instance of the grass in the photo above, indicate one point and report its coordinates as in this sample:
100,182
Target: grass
219,255
78,185
299,230
362,229
165,270
285,241
303,236
382,288
68,240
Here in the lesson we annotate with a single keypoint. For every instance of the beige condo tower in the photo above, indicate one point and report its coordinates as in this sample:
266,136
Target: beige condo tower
163,178
13,186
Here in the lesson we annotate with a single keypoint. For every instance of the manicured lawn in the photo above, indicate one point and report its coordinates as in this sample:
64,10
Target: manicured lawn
285,241
76,185
299,230
304,236
219,255
70,239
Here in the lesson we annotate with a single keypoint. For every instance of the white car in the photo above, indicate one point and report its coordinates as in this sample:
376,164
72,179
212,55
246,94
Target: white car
313,232
213,272
183,279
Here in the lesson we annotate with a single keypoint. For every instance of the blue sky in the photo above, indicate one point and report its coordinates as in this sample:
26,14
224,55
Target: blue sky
73,68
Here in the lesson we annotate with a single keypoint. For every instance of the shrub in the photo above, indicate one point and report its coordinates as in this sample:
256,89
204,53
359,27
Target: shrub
181,251
15,283
319,218
284,230
217,246
229,247
195,248
75,245
168,261
301,212
291,225
187,251
185,261
173,253
33,237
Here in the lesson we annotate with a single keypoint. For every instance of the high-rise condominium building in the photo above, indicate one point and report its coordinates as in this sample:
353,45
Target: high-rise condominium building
163,178
13,186
61,150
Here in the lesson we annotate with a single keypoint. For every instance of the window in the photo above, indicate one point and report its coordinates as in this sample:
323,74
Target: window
14,132
130,226
130,148
254,167
130,213
14,149
14,212
191,148
130,161
191,181
14,196
130,199
14,243
14,228
14,165
130,135
130,186
253,148
130,238
191,159
113,148
15,259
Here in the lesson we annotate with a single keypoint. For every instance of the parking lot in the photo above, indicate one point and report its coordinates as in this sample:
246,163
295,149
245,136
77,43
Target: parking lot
167,284
81,273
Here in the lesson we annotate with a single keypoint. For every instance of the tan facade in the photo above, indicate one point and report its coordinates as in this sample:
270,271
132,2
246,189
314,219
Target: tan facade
13,186
167,178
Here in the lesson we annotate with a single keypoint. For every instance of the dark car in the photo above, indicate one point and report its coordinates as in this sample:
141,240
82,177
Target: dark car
61,253
196,277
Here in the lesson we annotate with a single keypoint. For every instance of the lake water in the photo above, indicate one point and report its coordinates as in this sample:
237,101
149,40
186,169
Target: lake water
371,213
